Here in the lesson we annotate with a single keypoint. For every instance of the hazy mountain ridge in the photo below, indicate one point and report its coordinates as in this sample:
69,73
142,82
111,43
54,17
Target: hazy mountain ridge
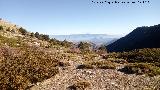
94,38
141,37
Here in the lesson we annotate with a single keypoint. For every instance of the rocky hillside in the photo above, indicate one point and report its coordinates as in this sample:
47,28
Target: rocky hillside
33,61
142,37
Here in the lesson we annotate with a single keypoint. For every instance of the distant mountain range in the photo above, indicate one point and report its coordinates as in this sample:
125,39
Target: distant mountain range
94,38
141,37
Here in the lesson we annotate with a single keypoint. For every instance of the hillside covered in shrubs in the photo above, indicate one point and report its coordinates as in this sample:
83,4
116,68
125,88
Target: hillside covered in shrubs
33,61
26,58
141,37
142,61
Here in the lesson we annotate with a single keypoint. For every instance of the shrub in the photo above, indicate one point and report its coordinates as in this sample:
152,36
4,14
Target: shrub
32,34
81,85
9,41
45,37
64,64
84,46
85,66
65,43
23,31
37,35
112,55
8,29
142,68
104,65
1,27
119,61
103,48
42,36
142,55
54,42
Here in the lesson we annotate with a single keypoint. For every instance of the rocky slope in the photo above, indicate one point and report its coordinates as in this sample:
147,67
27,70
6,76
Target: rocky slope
33,62
99,79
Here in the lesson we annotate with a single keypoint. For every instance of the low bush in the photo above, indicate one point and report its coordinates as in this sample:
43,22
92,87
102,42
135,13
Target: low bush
37,35
104,65
81,85
103,48
66,43
45,37
54,42
119,61
85,66
1,27
32,34
23,31
64,64
143,55
85,47
142,68
9,41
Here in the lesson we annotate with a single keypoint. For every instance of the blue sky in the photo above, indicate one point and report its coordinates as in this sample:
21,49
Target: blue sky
79,16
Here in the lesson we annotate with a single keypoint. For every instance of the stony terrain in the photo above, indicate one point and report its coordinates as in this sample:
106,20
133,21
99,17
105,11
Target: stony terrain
100,79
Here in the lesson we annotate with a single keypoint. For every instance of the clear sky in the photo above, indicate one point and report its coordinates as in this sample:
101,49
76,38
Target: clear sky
79,16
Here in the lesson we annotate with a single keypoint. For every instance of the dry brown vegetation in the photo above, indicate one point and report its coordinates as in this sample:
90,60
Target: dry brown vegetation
9,41
21,67
141,68
142,61
142,55
23,64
